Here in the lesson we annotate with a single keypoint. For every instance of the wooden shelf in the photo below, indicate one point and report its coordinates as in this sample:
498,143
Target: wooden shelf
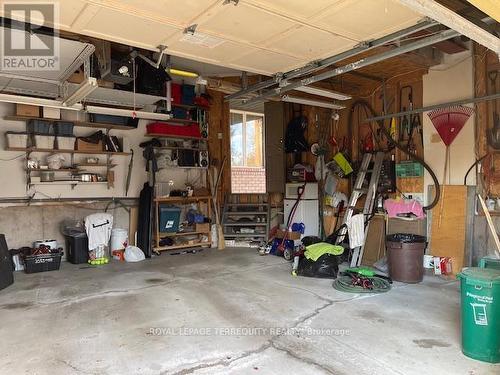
182,199
52,170
155,135
184,246
82,124
178,167
98,165
55,151
177,234
179,148
67,183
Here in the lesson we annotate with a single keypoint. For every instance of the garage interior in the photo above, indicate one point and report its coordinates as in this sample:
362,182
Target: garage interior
250,186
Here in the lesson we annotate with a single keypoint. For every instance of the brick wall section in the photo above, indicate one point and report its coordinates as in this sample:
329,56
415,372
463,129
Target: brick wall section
248,180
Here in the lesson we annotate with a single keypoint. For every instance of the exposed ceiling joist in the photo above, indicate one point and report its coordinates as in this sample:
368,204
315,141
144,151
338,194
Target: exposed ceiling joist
449,18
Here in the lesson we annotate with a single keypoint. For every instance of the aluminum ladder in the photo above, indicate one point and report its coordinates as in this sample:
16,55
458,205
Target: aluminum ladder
358,190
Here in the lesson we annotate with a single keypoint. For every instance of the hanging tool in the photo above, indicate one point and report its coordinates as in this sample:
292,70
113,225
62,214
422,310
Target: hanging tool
494,133
403,125
404,129
129,173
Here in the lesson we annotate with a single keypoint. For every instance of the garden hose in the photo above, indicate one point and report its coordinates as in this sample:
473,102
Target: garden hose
344,284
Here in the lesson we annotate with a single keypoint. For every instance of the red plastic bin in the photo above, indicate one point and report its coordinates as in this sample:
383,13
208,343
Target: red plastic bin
165,128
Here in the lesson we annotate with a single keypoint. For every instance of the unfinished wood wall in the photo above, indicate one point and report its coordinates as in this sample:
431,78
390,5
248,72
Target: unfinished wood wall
487,82
219,139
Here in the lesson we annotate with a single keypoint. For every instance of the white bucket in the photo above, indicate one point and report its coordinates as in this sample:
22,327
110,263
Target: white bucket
119,239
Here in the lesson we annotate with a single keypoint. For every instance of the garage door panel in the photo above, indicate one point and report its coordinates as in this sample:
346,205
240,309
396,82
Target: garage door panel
110,23
245,23
175,10
308,42
367,19
267,62
296,8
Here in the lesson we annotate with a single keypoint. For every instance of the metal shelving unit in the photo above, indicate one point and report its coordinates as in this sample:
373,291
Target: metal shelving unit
235,208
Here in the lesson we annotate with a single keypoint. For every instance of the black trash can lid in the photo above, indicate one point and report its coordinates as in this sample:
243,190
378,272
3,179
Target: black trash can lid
405,238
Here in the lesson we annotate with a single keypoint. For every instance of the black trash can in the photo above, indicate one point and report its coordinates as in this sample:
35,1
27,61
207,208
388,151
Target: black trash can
405,255
77,247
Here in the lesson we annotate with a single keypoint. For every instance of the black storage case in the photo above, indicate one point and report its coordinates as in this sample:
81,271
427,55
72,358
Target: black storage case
77,248
6,271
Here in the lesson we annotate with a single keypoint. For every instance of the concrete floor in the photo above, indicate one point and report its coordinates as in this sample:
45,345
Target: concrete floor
82,320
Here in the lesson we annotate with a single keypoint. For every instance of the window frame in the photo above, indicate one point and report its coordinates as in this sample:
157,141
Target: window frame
244,137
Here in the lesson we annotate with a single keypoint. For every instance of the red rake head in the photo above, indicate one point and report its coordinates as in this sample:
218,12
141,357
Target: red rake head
449,121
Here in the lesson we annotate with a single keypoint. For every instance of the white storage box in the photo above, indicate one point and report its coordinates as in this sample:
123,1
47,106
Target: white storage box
44,141
54,113
17,139
65,143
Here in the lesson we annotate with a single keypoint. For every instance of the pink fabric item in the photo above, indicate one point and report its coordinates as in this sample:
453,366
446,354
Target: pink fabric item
395,207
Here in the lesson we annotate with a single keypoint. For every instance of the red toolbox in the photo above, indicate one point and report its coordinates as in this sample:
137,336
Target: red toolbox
164,128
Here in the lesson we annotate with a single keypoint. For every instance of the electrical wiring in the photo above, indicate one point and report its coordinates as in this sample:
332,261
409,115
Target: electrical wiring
14,158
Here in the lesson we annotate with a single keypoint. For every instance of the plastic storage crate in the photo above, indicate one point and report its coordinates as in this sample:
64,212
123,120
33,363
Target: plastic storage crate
169,218
65,142
42,263
17,139
40,127
63,128
44,141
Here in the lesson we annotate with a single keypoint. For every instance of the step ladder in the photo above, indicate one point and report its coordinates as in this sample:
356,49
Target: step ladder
246,217
360,188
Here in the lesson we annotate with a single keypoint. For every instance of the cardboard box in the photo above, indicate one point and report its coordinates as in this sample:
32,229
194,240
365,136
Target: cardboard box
77,76
81,145
53,113
27,110
280,233
203,227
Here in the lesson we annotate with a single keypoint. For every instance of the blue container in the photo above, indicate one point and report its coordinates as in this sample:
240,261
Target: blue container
187,94
63,128
41,127
169,218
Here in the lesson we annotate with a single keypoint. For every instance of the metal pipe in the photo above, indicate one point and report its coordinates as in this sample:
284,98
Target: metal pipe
436,106
444,35
313,66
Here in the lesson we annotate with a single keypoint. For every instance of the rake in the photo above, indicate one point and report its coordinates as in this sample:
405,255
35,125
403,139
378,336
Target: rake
448,123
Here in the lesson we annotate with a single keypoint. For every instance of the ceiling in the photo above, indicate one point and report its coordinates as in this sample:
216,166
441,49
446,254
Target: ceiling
259,36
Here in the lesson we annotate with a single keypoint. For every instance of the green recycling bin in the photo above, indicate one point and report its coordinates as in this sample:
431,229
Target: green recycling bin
480,296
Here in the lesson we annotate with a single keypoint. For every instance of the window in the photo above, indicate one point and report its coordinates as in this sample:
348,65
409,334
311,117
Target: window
247,139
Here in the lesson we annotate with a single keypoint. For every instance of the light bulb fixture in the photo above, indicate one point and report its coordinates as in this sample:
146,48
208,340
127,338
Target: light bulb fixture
323,92
82,91
127,113
314,103
182,73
